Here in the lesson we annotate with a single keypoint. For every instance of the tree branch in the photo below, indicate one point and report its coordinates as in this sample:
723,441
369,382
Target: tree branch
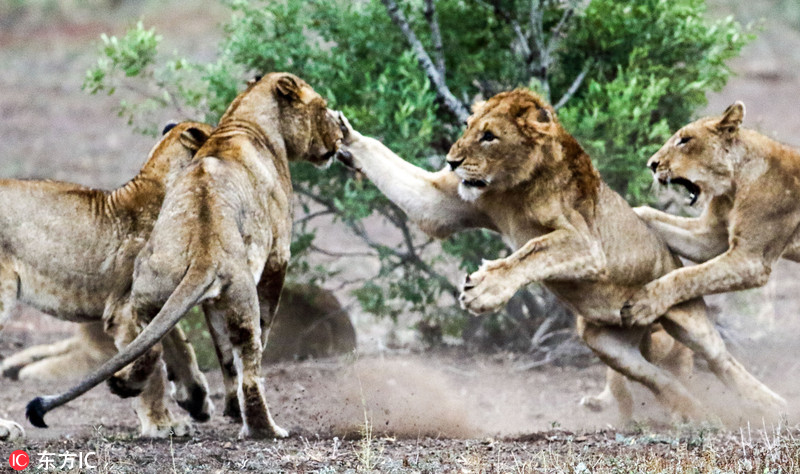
525,50
573,88
455,106
436,36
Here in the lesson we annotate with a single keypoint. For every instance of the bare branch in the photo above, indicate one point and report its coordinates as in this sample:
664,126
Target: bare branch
331,253
436,35
520,36
573,88
556,31
455,106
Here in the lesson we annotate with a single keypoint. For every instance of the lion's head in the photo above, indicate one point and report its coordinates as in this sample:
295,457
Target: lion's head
697,156
310,131
513,138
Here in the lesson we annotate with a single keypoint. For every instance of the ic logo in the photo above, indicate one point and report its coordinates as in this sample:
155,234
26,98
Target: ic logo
19,460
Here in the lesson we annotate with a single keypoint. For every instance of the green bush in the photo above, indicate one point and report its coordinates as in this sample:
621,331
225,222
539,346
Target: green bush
622,73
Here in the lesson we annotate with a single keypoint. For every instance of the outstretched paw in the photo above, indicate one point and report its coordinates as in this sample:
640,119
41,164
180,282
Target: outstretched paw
486,290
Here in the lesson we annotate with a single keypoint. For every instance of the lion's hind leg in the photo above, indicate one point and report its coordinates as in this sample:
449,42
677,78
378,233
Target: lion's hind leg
619,349
12,365
73,357
616,391
191,387
238,310
689,324
155,418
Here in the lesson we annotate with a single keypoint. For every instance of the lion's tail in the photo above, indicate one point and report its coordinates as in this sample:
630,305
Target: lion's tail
188,293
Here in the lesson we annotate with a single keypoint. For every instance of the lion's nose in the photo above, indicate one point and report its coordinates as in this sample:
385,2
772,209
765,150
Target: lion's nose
653,165
454,163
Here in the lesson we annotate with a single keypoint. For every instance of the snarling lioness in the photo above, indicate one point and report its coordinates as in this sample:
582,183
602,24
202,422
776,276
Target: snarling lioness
222,240
751,187
69,251
516,171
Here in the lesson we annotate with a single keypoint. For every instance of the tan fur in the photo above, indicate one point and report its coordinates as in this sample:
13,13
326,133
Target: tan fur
572,233
69,251
310,322
222,240
751,187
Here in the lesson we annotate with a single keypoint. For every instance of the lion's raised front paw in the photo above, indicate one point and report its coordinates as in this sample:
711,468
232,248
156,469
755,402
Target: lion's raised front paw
485,291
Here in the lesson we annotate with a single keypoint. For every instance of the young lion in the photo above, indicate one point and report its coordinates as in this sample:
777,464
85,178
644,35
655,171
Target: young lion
68,251
750,183
516,171
222,240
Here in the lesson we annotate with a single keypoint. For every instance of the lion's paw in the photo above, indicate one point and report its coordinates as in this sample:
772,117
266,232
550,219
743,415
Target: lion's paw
194,400
167,427
594,403
640,311
486,291
10,430
272,432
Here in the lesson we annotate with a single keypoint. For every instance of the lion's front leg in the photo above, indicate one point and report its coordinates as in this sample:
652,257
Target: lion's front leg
559,255
734,270
698,239
490,287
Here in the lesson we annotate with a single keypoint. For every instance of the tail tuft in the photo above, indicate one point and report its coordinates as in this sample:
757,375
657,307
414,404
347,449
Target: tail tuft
35,412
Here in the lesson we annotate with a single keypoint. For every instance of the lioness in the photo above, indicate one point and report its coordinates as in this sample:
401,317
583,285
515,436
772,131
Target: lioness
68,251
751,185
516,171
222,240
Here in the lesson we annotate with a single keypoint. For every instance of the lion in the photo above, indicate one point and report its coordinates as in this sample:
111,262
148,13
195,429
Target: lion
749,185
68,251
222,240
310,323
517,171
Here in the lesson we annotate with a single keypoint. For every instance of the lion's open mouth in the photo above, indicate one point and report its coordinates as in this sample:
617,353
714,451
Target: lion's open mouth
693,189
474,183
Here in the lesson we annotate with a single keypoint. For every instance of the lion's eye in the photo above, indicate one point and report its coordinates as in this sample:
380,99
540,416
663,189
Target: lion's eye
488,136
684,140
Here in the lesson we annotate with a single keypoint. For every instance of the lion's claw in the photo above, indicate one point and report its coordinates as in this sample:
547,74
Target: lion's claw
485,291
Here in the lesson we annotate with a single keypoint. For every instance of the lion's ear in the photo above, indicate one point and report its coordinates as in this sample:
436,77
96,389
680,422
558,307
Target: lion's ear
291,88
732,118
544,116
478,106
193,138
538,118
253,81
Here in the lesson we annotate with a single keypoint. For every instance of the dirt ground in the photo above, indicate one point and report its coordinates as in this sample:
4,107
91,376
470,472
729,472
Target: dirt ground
446,411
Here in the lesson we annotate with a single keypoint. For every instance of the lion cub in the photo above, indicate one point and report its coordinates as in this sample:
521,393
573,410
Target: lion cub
222,240
68,251
751,186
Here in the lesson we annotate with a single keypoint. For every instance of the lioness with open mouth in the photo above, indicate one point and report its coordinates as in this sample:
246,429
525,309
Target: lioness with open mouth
750,185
